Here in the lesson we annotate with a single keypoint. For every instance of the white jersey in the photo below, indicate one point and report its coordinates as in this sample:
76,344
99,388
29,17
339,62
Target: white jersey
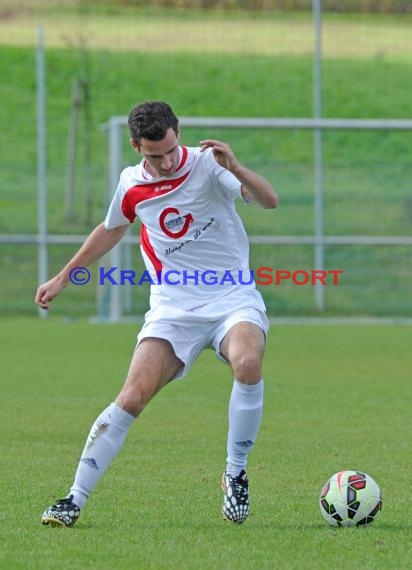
192,240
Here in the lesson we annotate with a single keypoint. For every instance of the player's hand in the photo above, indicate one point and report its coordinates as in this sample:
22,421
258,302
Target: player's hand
48,291
223,154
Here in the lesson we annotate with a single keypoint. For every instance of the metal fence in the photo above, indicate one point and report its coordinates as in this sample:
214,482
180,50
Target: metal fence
335,215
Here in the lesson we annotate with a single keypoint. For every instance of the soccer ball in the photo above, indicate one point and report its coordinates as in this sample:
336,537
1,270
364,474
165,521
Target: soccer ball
350,498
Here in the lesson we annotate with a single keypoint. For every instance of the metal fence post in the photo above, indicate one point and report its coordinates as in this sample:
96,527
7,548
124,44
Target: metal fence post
115,167
318,154
41,163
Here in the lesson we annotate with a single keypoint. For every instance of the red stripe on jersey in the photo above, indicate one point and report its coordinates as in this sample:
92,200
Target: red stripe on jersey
137,194
149,250
184,158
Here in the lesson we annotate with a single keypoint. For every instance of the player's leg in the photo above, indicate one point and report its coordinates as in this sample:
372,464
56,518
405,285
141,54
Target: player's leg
243,347
153,365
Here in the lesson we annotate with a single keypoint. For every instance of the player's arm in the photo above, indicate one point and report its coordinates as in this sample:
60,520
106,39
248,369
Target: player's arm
98,243
254,186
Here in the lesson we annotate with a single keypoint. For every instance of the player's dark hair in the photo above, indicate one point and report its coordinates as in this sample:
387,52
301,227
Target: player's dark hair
151,120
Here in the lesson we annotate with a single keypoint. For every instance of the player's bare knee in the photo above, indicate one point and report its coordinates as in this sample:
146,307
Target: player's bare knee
247,368
132,401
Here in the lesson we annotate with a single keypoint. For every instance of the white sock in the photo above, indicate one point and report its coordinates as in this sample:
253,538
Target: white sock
245,414
104,442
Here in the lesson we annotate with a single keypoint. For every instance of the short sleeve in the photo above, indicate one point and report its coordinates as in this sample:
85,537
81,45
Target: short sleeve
118,214
226,181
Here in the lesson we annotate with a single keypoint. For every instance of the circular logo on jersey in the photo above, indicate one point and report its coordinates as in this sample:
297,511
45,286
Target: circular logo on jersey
173,224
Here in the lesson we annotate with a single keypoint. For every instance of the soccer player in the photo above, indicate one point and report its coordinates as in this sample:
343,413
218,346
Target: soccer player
195,248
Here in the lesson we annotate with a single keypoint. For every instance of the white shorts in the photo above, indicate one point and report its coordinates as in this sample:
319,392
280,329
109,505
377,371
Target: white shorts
190,333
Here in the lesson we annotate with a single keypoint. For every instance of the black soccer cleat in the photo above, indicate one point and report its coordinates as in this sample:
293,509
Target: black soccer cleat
236,497
63,513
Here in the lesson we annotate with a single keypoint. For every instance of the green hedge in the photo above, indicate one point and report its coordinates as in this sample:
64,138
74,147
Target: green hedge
366,6
384,6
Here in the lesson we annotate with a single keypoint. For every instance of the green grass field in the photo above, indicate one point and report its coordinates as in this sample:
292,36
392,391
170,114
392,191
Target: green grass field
336,397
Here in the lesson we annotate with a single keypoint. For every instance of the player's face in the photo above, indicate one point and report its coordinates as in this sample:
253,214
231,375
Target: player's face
162,156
